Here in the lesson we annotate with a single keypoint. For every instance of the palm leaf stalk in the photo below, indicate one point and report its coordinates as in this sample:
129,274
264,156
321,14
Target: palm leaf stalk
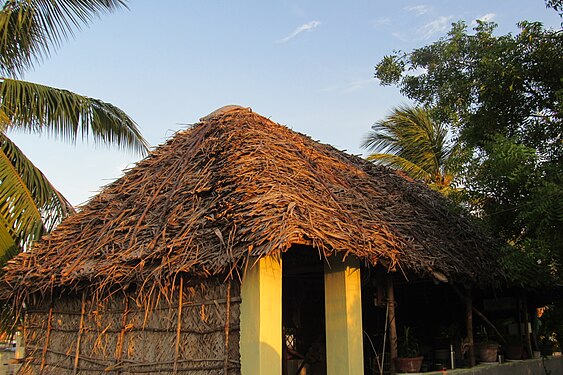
36,108
410,140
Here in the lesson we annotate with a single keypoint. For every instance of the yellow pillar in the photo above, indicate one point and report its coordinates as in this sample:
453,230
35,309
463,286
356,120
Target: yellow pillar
343,313
261,318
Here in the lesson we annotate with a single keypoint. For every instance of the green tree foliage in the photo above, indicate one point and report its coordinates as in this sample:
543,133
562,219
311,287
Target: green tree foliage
556,5
502,96
30,30
408,139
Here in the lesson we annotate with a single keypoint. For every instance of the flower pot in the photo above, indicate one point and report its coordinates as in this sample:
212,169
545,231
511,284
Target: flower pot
488,352
408,364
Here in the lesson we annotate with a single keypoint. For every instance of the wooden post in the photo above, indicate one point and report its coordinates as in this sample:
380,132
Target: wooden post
79,338
227,328
121,338
469,322
261,318
479,313
392,323
47,337
179,325
528,341
343,316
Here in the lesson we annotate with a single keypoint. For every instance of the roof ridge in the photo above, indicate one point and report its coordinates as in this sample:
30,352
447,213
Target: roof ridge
223,110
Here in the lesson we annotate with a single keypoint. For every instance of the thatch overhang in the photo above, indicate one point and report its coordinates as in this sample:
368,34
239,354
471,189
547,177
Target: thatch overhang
236,186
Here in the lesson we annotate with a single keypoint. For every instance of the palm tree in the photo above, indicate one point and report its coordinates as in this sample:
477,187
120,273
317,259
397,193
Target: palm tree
408,139
29,31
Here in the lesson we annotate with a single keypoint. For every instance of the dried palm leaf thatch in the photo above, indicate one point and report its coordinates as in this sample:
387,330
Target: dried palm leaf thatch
186,333
237,186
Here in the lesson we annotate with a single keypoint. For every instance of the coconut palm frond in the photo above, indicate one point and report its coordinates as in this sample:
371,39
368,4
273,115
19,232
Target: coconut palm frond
29,204
8,247
4,121
397,162
31,29
411,140
20,38
64,114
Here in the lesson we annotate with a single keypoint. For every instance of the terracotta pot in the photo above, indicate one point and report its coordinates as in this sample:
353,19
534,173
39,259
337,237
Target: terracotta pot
408,364
488,352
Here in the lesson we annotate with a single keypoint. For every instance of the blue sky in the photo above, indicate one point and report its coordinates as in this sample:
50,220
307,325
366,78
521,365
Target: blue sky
306,64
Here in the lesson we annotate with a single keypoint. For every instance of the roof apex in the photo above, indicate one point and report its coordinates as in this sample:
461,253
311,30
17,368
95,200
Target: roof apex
221,111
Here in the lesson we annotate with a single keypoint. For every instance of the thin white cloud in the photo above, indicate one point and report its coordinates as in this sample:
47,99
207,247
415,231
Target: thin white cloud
419,10
439,25
305,27
401,36
356,85
350,87
485,18
383,21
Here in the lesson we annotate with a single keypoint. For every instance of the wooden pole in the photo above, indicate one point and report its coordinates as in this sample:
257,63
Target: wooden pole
79,338
121,338
480,314
179,326
392,324
469,323
522,331
47,337
227,328
528,341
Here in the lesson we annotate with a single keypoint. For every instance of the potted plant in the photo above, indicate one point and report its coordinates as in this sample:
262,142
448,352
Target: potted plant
409,359
486,348
546,346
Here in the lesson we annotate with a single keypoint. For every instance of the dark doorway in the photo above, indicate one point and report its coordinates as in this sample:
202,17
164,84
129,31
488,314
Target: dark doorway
303,311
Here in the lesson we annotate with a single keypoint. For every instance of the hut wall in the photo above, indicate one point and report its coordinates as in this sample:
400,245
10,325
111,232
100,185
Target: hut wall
126,334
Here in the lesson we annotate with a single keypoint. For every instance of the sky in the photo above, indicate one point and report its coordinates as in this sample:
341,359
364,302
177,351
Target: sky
306,64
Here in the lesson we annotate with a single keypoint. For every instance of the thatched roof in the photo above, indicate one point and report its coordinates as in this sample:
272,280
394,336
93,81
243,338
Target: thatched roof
237,186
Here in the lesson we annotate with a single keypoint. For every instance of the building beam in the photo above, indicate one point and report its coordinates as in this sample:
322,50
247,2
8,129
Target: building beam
261,318
469,325
392,322
343,315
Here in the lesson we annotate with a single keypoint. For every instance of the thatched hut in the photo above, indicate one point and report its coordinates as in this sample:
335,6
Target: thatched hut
177,266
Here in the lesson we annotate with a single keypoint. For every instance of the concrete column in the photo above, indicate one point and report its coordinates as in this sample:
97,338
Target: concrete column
261,318
343,313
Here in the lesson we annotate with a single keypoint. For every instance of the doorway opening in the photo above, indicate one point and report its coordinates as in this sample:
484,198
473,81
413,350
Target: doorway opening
303,312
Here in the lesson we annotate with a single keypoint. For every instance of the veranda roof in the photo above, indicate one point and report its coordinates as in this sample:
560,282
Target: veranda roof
237,186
